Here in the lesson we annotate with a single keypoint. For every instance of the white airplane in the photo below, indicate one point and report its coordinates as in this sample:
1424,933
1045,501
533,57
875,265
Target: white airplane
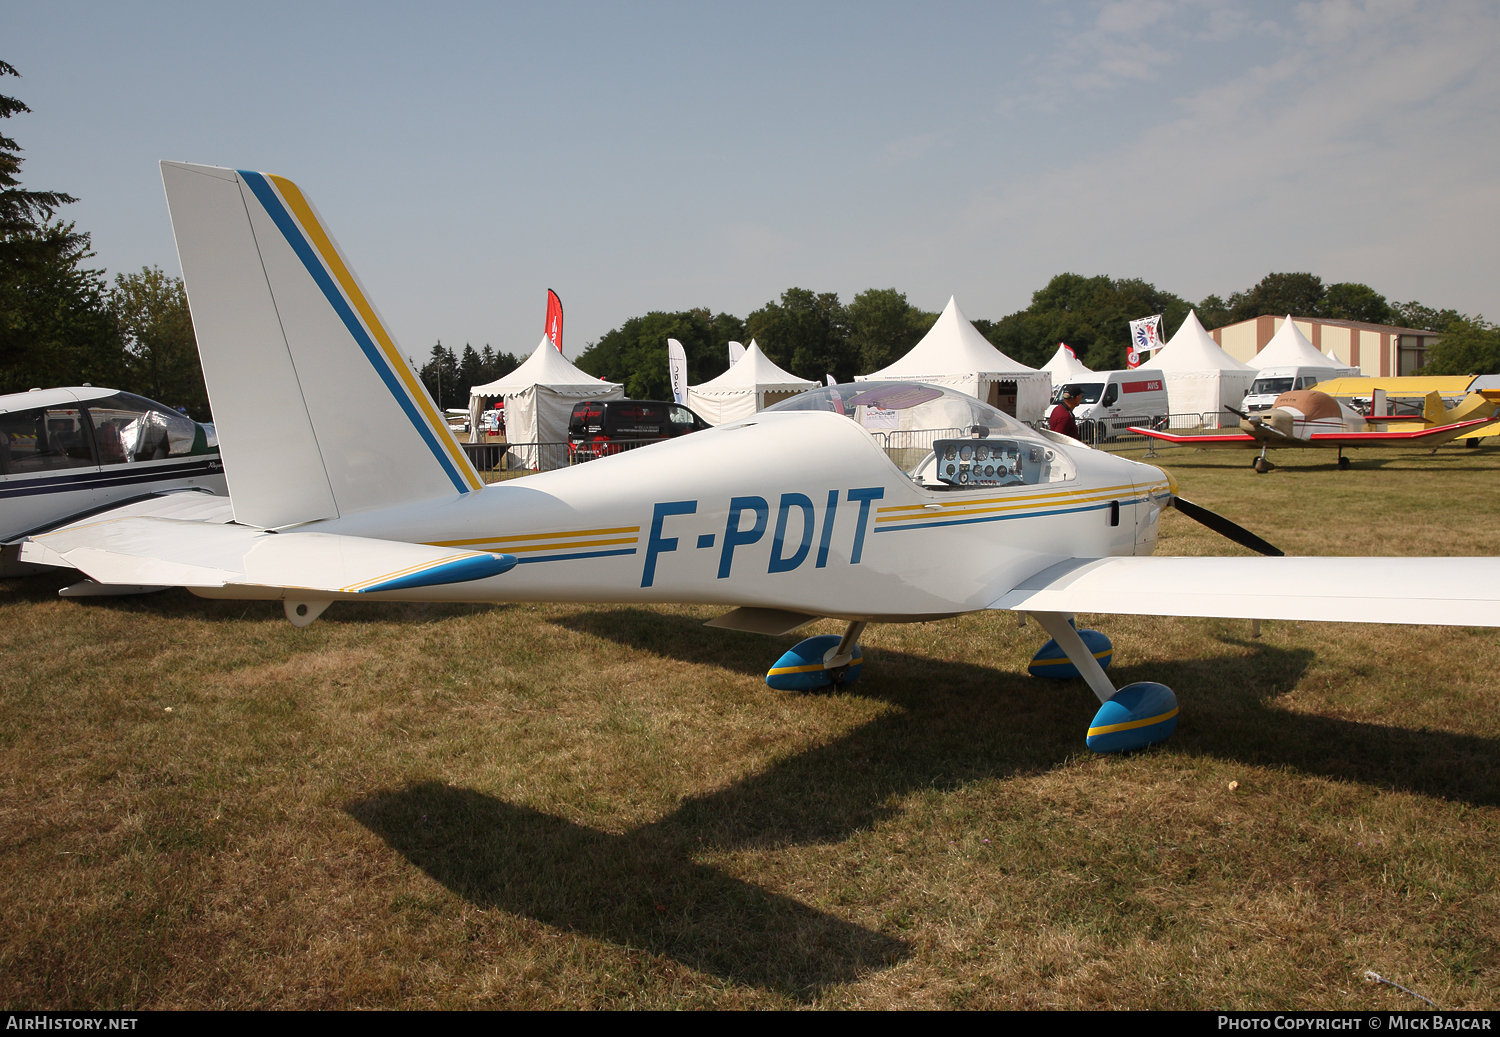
346,484
71,452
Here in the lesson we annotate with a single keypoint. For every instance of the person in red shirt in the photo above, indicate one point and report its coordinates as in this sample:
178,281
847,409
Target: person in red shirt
1061,418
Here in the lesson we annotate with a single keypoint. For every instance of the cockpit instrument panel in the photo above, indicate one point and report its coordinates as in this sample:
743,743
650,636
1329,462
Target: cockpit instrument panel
987,462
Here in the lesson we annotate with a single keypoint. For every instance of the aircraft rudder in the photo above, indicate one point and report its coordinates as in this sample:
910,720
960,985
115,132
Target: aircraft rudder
304,230
315,380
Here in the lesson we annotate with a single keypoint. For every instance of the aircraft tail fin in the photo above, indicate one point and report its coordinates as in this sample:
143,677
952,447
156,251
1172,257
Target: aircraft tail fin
318,414
1433,411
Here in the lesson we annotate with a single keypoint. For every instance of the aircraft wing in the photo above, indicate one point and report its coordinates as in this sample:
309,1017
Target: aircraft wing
1444,591
1435,436
1208,439
156,549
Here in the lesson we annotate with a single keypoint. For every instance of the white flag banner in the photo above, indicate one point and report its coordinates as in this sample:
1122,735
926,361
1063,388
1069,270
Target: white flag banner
677,370
832,380
736,350
1145,337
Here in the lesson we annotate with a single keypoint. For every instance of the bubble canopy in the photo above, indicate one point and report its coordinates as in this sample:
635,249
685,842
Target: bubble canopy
907,405
943,439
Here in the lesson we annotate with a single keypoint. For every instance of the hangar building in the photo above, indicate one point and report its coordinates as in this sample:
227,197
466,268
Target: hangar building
1378,350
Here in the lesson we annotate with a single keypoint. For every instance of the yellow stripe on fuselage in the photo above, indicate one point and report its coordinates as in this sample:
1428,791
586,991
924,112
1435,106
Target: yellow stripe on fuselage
292,196
560,545
1020,502
573,534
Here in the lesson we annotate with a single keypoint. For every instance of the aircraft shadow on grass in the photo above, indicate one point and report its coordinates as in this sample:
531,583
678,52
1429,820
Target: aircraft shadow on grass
641,890
957,723
963,721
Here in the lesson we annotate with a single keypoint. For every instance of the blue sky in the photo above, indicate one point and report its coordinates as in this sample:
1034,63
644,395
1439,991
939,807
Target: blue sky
661,156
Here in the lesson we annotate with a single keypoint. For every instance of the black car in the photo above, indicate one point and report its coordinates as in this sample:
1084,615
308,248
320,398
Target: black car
599,427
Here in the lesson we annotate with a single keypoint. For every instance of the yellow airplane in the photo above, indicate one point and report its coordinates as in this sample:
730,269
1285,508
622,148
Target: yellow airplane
1311,418
1432,391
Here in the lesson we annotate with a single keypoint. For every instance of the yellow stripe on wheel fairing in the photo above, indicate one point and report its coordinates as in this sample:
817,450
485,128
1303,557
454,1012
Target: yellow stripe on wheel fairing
1132,725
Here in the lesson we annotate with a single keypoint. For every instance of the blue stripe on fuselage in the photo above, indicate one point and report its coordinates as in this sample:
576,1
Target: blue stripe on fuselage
1007,518
585,554
121,475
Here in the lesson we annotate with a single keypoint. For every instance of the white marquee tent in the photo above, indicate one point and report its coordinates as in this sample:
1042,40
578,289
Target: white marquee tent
1290,348
1064,366
956,355
539,397
1201,378
752,384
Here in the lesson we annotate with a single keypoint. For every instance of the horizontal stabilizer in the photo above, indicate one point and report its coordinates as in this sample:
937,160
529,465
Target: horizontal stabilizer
177,553
1444,591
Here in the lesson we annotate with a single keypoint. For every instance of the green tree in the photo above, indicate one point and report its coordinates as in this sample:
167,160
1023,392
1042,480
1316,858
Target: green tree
56,327
806,333
161,353
1277,295
635,353
1468,346
883,326
1415,315
21,211
1349,301
1091,314
440,375
494,365
1212,312
470,370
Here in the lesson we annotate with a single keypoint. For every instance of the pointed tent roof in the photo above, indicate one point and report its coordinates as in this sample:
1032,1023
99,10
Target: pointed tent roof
1290,348
1193,349
546,367
754,370
952,346
1065,366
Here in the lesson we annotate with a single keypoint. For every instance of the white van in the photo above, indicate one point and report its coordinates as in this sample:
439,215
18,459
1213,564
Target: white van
1274,381
1115,400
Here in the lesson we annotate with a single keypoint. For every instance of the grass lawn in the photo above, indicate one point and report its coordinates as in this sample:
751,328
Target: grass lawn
600,806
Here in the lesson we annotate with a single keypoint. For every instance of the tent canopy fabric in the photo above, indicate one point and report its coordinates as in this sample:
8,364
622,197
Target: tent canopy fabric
1290,348
546,367
955,354
1201,378
744,389
539,397
1064,366
1194,349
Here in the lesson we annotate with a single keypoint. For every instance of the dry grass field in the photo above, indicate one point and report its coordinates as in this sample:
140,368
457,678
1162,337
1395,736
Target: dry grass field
605,807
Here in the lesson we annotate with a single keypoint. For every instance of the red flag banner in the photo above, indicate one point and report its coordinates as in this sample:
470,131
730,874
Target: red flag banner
554,319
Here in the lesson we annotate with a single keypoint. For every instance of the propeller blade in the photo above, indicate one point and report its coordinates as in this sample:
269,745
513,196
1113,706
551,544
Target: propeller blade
1221,525
1236,412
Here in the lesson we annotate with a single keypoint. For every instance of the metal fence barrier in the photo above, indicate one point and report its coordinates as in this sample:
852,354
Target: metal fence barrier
907,447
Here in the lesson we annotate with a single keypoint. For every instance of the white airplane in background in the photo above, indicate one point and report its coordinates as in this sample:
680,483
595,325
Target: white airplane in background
345,483
72,452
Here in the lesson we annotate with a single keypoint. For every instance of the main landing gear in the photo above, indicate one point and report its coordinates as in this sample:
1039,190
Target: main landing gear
820,662
1134,717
